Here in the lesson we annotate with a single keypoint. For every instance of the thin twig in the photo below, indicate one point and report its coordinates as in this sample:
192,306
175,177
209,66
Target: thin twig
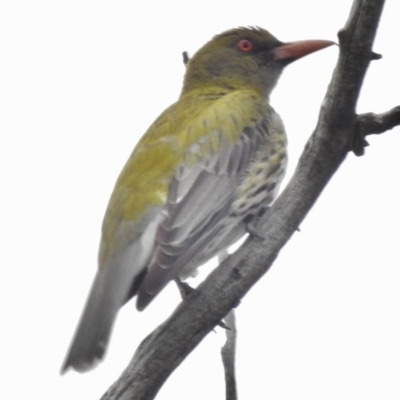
374,124
228,354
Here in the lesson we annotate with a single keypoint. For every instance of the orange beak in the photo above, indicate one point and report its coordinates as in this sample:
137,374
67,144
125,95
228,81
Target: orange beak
294,50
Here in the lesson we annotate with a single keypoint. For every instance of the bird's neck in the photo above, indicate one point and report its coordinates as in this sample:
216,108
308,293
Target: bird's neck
216,91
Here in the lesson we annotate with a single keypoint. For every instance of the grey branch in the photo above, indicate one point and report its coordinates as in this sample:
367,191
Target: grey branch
228,353
328,146
373,124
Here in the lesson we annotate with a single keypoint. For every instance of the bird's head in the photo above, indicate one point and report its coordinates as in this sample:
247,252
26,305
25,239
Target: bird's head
244,58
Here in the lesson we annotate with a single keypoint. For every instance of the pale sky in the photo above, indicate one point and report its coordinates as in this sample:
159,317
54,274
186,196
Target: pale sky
80,82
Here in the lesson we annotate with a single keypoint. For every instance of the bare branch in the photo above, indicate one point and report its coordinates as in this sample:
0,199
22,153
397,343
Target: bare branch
333,137
228,353
374,124
370,124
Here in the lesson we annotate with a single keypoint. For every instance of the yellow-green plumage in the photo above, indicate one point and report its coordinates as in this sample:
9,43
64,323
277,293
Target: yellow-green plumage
205,168
164,146
145,179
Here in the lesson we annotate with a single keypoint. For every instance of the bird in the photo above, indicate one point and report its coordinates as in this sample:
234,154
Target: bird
207,167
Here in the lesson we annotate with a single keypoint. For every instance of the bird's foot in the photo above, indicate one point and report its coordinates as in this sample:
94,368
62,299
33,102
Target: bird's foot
185,289
251,229
222,324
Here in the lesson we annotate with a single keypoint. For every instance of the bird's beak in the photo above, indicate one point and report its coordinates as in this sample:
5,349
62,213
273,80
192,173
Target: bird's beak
288,52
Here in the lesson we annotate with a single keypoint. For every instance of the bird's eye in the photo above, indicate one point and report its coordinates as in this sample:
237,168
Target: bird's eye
245,45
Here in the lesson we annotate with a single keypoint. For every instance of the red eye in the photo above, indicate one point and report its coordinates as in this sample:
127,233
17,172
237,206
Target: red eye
245,45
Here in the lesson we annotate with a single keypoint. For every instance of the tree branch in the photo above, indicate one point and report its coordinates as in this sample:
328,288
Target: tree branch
374,124
228,353
164,349
370,124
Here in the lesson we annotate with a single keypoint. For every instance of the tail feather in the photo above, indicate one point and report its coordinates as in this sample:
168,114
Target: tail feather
92,334
111,288
115,283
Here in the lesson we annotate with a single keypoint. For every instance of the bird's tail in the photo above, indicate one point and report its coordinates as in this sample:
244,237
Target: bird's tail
109,292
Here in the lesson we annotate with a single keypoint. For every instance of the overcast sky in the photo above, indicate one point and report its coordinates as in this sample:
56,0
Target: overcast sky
80,82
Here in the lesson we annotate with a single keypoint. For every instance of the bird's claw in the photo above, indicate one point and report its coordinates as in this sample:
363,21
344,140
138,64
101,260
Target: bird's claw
223,325
251,229
185,289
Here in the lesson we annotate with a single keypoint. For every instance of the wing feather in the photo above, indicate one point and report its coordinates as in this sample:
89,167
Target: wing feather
198,210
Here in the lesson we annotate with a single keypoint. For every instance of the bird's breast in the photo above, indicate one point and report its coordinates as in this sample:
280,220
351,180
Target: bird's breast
265,173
